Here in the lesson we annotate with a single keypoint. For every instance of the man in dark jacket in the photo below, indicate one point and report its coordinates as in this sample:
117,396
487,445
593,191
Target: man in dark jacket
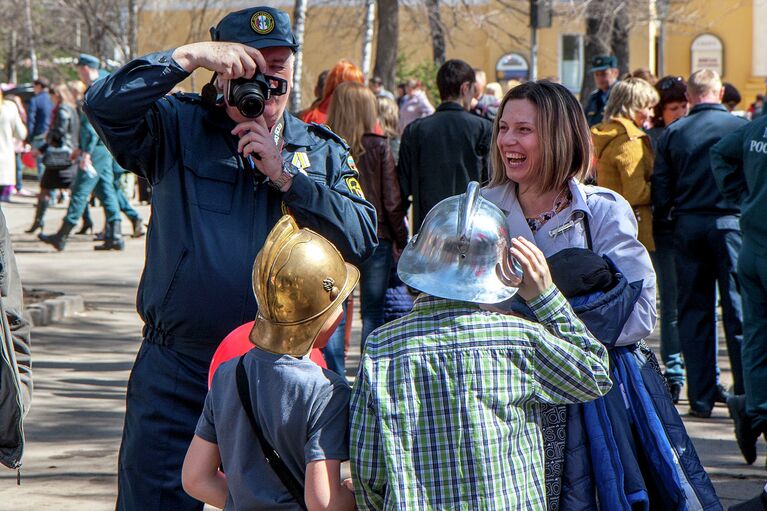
220,181
39,118
440,154
739,161
707,239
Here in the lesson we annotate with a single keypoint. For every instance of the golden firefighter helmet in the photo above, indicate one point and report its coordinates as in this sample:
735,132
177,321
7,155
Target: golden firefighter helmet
299,279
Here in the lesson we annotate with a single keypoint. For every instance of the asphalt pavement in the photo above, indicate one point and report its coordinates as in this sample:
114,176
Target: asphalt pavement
81,368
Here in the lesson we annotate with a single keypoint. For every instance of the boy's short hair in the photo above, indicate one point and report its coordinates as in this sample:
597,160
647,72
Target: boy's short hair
451,75
704,81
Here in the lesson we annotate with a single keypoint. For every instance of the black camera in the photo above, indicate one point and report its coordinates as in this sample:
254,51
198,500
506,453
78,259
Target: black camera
249,96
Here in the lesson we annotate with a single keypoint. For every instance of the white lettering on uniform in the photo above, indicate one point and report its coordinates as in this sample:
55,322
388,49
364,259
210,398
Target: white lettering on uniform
757,146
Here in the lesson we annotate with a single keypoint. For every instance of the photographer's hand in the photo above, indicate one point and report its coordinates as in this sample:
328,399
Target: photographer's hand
229,60
255,139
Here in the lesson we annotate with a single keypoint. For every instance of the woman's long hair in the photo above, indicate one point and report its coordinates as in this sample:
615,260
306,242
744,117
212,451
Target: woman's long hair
564,138
353,113
65,95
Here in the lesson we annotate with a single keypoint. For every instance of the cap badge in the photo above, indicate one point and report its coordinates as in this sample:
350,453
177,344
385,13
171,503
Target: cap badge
262,23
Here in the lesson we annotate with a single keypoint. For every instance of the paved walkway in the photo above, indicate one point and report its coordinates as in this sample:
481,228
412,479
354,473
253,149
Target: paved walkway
81,367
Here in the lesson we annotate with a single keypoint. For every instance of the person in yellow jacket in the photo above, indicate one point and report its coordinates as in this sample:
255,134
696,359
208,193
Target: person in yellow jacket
623,150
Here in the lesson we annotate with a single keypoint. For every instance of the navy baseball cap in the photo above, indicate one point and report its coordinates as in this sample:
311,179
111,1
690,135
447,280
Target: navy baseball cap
603,62
88,60
258,27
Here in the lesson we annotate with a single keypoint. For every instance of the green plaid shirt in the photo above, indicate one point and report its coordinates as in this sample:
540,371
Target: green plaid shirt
445,408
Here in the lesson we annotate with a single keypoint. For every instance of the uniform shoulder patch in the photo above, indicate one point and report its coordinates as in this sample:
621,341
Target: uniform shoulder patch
323,131
354,186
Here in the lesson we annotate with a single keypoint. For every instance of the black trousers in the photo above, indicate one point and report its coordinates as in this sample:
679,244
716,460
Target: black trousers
706,255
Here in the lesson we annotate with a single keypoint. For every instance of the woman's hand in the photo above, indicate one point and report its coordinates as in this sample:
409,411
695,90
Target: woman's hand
536,277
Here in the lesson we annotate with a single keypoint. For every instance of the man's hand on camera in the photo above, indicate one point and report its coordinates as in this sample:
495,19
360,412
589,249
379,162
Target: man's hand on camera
229,60
255,139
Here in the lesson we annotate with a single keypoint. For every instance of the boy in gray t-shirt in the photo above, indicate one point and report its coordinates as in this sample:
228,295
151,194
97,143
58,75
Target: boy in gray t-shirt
300,282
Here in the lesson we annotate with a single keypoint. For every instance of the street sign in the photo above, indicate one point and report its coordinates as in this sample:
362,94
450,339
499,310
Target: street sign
512,66
707,52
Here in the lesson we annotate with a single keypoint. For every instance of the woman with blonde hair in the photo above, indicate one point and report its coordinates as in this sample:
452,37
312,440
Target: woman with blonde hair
624,151
353,114
61,141
388,120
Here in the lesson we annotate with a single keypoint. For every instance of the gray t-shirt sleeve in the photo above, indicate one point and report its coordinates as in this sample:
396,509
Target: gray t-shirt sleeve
206,428
328,431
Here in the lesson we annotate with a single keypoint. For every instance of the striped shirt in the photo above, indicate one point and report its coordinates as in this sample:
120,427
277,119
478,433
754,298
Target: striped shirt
445,408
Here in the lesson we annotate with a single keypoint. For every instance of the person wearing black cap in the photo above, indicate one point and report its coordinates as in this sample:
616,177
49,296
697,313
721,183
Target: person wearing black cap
605,69
222,176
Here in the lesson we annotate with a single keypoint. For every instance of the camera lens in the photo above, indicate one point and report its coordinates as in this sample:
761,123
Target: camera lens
251,105
249,96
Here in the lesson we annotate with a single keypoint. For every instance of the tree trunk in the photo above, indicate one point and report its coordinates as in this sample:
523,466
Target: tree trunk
437,31
386,42
299,18
620,38
599,24
132,29
30,38
10,60
367,36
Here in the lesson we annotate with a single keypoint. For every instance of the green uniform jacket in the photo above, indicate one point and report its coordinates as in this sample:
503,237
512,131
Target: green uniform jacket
739,163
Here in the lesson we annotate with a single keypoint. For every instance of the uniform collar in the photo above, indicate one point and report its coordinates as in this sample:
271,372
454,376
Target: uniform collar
449,105
296,132
505,197
707,106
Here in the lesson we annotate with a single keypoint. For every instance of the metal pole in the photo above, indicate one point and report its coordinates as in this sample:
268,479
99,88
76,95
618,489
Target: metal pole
533,53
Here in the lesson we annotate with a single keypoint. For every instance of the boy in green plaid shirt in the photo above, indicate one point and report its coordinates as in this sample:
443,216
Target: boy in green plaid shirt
445,411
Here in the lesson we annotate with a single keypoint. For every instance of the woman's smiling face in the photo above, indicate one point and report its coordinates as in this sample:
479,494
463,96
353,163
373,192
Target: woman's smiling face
518,141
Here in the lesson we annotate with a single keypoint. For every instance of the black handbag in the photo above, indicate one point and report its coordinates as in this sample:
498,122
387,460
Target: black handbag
57,158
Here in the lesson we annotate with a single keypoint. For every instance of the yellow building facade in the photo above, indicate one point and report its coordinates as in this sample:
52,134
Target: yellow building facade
729,34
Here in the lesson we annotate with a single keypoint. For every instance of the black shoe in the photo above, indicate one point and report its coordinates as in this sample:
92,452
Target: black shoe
701,414
138,227
721,394
114,239
758,503
87,228
58,240
744,432
676,390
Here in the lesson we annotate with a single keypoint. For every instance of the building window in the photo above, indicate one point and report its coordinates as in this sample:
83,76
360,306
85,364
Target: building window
571,61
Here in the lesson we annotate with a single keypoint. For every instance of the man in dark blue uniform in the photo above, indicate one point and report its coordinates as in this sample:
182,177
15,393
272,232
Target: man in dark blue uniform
707,239
220,181
605,69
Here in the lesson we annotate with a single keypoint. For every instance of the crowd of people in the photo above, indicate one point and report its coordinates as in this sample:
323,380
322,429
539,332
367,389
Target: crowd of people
504,363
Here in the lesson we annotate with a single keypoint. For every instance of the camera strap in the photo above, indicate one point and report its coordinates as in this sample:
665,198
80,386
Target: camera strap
278,132
273,459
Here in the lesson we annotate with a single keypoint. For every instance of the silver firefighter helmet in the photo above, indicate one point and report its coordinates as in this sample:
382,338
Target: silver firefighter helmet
455,253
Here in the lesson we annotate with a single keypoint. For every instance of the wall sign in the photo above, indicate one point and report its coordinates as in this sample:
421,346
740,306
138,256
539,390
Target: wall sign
707,51
512,66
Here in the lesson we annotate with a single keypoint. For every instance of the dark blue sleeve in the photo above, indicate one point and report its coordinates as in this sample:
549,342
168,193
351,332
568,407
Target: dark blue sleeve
132,115
338,211
662,181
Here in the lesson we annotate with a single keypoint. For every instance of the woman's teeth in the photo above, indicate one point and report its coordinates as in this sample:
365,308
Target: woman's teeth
515,158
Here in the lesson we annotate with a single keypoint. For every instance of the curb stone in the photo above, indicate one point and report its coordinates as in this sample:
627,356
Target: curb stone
54,309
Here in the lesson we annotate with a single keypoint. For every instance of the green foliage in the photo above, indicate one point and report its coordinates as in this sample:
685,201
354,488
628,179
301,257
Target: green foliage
425,71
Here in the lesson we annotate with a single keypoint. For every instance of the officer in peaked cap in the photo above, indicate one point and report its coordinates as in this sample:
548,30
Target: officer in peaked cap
222,176
605,69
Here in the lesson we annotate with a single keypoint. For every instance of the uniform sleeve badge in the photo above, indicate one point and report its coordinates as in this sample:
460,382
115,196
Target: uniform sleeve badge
354,186
352,165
